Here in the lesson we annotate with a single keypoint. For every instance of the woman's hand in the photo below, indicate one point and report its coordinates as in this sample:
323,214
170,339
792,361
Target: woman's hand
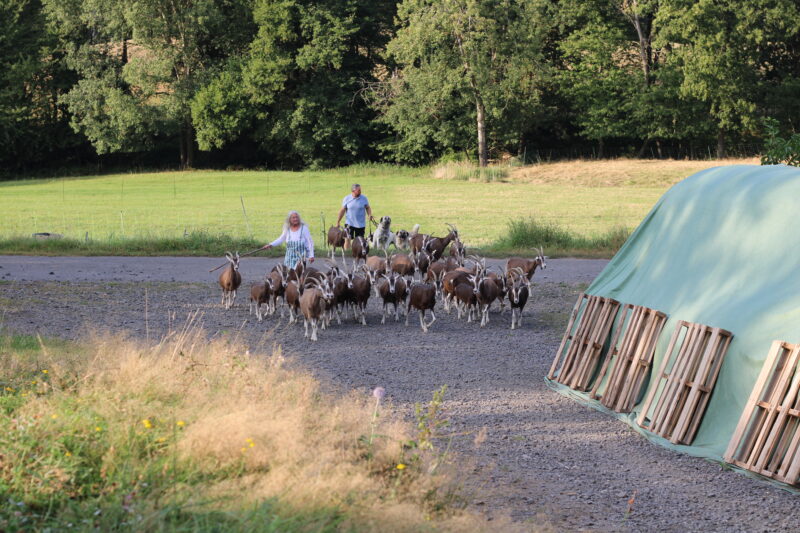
266,247
310,259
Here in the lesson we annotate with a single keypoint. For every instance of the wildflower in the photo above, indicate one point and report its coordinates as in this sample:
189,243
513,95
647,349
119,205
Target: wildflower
98,428
379,393
68,454
244,450
33,382
250,442
9,389
401,466
161,439
54,416
44,371
146,423
180,423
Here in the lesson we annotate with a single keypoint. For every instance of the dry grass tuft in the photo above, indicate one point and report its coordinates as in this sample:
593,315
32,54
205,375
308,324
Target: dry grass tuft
467,171
192,433
617,172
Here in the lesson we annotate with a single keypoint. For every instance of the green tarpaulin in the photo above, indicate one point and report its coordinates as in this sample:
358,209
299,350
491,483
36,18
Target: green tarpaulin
721,248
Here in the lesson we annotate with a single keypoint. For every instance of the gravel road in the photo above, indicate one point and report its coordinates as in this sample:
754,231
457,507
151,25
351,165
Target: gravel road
545,459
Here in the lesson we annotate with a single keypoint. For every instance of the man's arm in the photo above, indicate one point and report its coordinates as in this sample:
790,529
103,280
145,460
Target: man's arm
341,214
369,212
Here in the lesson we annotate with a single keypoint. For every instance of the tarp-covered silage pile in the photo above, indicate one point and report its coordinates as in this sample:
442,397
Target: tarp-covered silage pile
720,248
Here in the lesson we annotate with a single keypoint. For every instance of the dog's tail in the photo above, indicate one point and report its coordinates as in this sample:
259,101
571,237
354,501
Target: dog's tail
414,230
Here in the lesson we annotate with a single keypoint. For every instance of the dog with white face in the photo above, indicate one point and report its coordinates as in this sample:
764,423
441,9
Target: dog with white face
383,235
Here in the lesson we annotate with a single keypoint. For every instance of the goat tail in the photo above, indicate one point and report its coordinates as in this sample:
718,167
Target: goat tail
414,230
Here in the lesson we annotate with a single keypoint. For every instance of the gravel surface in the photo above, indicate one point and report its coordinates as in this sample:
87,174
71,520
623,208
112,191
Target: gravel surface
544,459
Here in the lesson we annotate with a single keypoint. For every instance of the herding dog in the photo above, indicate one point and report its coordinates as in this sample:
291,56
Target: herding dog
383,235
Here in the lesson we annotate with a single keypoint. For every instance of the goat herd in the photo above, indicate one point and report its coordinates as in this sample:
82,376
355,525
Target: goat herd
413,280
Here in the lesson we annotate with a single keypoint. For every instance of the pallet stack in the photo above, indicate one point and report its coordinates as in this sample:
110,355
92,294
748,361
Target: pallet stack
579,354
767,438
685,381
628,361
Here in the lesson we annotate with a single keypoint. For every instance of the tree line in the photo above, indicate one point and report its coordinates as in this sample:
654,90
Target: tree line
311,84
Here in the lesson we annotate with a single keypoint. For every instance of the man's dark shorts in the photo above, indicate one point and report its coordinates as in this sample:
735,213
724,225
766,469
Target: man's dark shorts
356,232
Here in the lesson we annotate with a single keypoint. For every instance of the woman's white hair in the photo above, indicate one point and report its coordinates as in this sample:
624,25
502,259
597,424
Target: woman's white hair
287,225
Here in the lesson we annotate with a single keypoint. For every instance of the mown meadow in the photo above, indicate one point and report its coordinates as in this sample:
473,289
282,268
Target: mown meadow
574,208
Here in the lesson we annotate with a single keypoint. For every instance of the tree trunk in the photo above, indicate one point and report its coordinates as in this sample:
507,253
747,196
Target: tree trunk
187,145
483,152
601,148
721,144
640,154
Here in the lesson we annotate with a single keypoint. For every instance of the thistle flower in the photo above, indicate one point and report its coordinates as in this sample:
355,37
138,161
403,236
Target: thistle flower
379,393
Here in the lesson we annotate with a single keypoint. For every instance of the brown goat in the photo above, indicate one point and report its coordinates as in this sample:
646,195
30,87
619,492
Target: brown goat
517,298
528,266
435,246
337,238
230,279
376,267
393,290
422,297
360,250
278,278
449,283
314,305
261,293
466,299
486,292
360,295
402,264
293,294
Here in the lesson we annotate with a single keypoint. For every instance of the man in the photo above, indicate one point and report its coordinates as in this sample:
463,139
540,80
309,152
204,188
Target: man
355,205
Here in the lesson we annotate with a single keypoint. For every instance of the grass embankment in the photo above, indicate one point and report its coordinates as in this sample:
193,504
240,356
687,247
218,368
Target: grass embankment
208,212
191,435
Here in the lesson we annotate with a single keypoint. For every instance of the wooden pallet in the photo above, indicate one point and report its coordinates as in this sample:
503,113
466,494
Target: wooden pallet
684,390
629,361
591,320
767,438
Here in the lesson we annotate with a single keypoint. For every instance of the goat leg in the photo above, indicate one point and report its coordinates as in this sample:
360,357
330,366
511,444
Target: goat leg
422,321
314,329
433,319
363,316
305,328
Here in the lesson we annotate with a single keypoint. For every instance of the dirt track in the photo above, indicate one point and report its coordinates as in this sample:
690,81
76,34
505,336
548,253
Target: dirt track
545,458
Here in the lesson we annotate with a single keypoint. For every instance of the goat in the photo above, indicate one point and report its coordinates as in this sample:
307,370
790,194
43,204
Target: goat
278,277
502,288
314,305
415,239
376,267
449,283
458,250
465,298
338,238
486,292
230,279
421,262
528,266
402,264
342,285
517,298
435,246
360,295
292,297
261,293
393,290
360,250
296,273
435,274
422,297
383,235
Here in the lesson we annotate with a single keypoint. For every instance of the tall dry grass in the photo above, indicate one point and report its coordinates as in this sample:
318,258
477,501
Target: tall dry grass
198,434
618,172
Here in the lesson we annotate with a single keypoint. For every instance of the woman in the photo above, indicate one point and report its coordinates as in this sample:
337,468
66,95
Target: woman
298,240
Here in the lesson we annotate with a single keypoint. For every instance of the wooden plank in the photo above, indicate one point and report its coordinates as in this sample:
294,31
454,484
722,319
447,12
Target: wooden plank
656,376
641,361
693,395
749,407
786,402
671,398
613,352
567,335
578,341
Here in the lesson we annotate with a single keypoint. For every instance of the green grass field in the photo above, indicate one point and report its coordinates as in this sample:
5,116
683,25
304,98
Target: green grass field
154,212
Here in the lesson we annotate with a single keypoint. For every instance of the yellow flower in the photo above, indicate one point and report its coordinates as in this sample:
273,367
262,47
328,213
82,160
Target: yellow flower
180,423
401,466
54,416
98,428
33,382
244,450
146,423
68,454
44,371
161,439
